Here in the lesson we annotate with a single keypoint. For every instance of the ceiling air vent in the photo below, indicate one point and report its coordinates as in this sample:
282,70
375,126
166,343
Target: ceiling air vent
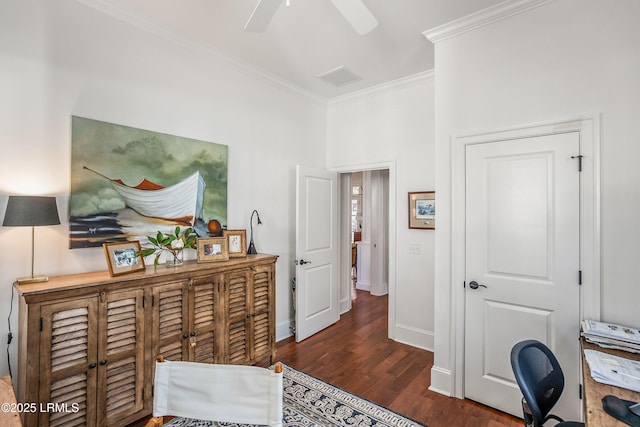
339,76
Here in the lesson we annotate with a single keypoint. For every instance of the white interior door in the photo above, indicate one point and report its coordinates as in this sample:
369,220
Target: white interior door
522,249
317,293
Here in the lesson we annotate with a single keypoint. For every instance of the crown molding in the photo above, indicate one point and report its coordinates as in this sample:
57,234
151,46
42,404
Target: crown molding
158,29
384,87
482,18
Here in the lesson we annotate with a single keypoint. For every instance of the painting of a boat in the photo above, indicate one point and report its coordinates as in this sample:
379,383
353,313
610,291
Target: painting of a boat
129,183
181,202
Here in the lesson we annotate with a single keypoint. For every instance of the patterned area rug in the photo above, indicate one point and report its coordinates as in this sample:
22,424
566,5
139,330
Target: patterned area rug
309,402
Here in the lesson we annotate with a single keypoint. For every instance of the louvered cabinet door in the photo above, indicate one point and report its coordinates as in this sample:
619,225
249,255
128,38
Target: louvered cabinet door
121,357
238,317
170,320
68,363
204,313
262,326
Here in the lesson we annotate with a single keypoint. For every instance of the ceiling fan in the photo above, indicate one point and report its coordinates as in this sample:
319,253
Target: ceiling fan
354,11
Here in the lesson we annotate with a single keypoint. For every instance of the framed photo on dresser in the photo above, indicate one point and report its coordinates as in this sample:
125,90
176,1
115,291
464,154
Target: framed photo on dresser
123,257
212,249
237,242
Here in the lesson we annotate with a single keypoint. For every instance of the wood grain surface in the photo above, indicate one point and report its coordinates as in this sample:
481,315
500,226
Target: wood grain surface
595,391
8,418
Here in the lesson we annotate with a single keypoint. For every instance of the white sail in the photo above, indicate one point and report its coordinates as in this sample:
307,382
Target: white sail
182,201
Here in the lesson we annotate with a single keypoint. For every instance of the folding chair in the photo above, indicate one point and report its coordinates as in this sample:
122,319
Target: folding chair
223,393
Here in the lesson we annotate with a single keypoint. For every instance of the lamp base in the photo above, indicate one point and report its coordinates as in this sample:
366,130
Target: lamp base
252,249
31,279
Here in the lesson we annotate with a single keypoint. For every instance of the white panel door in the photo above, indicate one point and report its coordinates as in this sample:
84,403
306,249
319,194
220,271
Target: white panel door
522,251
317,293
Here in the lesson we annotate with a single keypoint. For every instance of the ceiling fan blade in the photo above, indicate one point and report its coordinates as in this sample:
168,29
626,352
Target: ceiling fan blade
357,14
261,16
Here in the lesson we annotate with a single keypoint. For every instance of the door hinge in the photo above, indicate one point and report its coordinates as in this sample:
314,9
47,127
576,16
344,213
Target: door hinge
464,284
579,277
153,300
579,157
143,302
580,391
41,324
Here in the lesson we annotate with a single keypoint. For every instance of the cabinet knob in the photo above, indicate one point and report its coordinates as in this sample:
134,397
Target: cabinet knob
193,334
103,362
185,336
248,315
92,365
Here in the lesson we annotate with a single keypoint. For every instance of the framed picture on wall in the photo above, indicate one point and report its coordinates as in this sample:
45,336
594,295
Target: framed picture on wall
115,175
422,210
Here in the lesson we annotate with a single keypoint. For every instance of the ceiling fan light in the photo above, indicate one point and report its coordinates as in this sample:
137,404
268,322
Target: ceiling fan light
357,14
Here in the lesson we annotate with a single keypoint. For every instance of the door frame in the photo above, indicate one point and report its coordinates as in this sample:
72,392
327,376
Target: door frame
588,127
345,276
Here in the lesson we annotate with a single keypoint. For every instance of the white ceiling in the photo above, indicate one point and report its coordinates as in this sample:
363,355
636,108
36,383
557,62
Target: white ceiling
307,38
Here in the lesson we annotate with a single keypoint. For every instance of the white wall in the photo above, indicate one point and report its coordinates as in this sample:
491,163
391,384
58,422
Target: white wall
63,58
554,62
394,124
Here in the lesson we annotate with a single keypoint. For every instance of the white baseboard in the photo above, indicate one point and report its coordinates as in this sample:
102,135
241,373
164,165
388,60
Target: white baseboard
414,337
363,286
283,330
345,305
440,381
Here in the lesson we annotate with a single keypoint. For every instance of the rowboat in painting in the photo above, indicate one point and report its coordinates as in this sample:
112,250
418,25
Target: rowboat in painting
181,202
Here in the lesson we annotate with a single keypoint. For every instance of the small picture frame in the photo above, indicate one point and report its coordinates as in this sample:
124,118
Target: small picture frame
123,257
236,242
422,210
212,249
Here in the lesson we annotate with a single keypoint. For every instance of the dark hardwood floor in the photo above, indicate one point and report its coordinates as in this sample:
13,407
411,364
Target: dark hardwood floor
356,355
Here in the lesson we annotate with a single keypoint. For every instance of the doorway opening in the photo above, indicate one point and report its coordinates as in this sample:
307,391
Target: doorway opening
364,235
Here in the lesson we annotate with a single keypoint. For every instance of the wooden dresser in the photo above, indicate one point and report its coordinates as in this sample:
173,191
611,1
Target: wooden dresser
88,342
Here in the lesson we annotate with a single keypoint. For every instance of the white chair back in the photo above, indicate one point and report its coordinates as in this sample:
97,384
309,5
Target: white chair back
225,393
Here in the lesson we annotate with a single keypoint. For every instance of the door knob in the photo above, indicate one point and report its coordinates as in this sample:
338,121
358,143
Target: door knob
303,262
474,285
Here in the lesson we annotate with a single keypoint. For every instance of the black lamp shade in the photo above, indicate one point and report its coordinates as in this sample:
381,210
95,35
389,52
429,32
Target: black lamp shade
23,211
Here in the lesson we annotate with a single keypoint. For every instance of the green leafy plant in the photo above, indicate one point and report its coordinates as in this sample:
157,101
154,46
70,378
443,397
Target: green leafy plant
172,243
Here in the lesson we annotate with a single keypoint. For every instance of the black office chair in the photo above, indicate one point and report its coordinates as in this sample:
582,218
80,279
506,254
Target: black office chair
541,382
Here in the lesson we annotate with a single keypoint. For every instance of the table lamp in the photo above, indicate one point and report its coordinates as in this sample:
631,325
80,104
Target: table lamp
31,211
252,247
